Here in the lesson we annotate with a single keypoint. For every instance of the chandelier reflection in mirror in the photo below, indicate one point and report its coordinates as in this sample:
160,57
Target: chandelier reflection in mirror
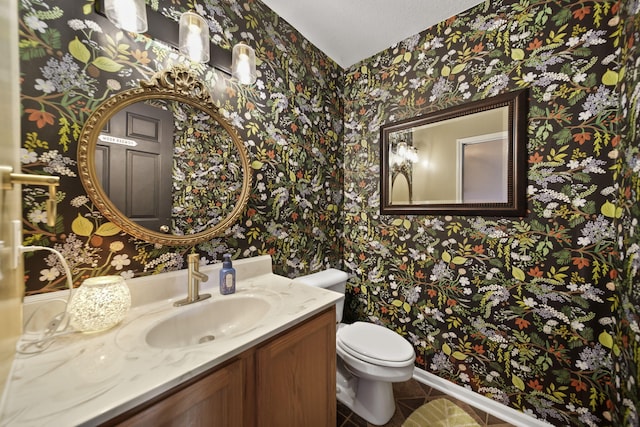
402,150
402,156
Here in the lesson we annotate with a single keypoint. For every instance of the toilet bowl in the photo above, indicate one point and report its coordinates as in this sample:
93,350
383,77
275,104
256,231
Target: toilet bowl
370,357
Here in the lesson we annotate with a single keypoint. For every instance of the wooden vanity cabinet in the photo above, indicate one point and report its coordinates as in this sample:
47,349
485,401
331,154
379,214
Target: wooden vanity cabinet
289,380
214,401
296,376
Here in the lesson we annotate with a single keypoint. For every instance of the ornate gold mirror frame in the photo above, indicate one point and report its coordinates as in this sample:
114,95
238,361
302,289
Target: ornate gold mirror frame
176,84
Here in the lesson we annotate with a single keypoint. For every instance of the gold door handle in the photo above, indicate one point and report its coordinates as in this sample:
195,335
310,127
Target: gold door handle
9,179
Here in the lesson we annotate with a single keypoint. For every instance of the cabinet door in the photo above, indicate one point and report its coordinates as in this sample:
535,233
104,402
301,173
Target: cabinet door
215,400
296,376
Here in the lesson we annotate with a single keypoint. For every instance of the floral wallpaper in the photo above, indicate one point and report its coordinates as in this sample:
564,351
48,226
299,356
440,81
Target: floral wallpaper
526,311
204,157
539,313
72,59
627,349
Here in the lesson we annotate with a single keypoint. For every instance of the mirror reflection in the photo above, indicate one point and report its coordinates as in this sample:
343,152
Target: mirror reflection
466,159
168,166
161,164
463,160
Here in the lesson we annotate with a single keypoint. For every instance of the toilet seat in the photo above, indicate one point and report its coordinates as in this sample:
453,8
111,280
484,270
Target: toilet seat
375,344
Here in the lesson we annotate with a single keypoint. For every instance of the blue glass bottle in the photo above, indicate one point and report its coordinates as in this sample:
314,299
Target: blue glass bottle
227,276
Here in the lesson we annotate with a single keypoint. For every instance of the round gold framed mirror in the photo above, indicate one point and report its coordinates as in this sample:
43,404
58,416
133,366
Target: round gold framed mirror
159,162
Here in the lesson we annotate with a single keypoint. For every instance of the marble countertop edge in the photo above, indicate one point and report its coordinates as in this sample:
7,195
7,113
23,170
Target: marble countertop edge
87,379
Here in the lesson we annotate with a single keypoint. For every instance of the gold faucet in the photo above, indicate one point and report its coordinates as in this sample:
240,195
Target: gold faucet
9,178
194,277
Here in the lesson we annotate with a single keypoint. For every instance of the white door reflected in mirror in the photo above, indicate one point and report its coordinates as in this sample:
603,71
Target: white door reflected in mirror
482,174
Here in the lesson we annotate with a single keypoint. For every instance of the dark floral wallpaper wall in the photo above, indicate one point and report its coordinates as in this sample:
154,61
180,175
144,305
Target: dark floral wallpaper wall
627,343
522,310
539,313
290,120
207,178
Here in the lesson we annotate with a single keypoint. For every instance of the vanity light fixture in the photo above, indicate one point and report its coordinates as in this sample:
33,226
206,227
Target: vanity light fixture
194,37
190,37
243,64
128,15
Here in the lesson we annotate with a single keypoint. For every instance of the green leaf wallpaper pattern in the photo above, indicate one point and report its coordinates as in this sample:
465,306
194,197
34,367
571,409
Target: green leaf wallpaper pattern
72,59
539,313
626,341
522,310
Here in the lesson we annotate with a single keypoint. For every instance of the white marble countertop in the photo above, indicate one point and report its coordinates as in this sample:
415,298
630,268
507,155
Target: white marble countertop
87,379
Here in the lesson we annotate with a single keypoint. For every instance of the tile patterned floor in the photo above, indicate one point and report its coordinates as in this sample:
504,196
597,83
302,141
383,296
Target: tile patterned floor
409,396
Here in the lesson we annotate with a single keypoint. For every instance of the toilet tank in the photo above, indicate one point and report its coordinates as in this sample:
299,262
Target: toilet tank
331,279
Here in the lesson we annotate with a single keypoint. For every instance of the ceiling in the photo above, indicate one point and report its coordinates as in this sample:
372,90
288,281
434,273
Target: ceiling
349,31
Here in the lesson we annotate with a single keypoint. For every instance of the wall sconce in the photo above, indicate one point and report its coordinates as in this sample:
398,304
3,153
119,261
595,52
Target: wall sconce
194,37
243,64
128,15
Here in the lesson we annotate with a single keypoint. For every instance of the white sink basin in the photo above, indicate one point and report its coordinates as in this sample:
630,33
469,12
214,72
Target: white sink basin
208,321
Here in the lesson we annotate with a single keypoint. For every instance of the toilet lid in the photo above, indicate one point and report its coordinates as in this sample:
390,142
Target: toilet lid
374,343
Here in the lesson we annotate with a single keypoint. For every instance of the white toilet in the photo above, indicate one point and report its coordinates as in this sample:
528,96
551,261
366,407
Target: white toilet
370,357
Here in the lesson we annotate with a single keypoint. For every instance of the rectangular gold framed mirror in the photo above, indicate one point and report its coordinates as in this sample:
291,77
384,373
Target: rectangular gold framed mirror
465,160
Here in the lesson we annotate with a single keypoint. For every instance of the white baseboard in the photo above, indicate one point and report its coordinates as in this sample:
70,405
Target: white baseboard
476,400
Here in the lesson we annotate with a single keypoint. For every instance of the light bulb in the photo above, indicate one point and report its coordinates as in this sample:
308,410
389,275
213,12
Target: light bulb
194,37
194,44
243,72
413,154
128,15
402,149
243,64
